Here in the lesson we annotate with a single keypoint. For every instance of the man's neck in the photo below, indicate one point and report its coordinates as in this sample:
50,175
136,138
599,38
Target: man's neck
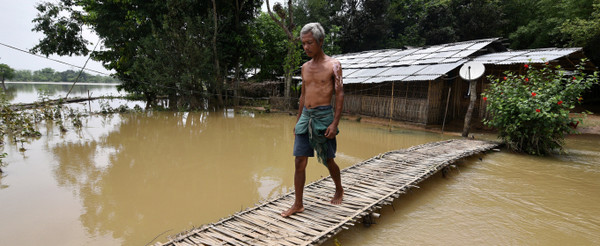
319,57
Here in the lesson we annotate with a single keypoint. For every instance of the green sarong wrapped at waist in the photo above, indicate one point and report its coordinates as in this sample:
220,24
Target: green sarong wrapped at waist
315,122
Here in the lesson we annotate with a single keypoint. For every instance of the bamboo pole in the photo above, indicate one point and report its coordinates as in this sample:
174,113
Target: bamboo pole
446,111
391,106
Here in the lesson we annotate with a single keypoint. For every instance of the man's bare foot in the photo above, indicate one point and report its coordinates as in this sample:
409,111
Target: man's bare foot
294,209
337,197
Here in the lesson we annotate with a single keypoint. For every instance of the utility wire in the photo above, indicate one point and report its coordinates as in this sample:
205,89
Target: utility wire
81,71
141,82
59,61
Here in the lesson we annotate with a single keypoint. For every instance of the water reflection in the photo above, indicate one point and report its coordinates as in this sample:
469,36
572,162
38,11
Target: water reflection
28,92
171,170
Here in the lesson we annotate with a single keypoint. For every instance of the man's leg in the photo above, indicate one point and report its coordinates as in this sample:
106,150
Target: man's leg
334,171
299,179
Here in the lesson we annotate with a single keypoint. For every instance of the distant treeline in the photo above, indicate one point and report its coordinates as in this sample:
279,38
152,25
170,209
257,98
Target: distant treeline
50,75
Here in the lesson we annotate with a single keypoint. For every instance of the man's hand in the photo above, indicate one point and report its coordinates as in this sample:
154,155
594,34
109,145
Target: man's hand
331,131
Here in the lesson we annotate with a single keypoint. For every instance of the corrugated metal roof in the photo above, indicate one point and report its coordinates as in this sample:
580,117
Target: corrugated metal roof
430,63
526,56
414,64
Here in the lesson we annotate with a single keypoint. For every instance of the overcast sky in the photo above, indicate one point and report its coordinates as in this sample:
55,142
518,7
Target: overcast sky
15,30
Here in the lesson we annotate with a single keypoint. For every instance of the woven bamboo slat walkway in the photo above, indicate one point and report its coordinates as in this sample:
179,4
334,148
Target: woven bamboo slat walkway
368,186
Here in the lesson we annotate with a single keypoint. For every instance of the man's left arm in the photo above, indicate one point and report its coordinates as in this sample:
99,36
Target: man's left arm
338,84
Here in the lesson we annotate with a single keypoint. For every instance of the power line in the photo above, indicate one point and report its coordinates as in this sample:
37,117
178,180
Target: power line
54,60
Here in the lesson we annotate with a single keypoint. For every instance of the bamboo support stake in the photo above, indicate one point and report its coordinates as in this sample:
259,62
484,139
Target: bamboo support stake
446,111
392,106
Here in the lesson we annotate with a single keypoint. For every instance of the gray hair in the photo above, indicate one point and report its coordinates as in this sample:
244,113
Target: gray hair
316,29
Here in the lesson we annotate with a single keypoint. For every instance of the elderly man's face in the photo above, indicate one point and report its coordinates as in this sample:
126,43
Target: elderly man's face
310,45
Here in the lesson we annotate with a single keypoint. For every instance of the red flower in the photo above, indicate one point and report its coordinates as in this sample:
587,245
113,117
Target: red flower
574,78
547,63
504,77
526,66
527,79
538,110
580,98
533,94
559,102
485,98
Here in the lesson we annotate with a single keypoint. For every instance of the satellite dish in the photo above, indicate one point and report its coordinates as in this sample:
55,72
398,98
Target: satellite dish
471,70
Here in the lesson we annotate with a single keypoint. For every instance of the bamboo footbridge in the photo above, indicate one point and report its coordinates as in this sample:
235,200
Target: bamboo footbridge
368,186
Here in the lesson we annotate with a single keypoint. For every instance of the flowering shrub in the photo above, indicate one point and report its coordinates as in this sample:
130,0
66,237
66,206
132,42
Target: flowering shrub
531,111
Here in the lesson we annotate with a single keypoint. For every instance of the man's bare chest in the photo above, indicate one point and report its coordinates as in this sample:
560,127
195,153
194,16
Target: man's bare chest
318,75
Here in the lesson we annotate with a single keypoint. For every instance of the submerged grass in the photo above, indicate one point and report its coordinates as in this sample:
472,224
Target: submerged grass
20,126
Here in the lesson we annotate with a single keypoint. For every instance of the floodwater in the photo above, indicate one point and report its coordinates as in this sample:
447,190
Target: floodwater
134,178
20,92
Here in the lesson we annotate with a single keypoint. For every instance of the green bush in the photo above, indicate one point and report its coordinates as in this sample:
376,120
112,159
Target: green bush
531,110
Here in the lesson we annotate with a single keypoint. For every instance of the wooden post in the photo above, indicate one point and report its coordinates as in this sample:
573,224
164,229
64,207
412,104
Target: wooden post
473,90
446,112
392,106
89,99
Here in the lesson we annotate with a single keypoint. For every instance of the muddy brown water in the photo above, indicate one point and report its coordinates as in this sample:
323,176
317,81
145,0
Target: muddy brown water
131,178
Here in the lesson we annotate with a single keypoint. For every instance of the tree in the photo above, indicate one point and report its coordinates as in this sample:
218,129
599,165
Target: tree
23,75
271,46
438,25
565,23
156,48
531,111
364,25
584,32
476,19
45,75
292,59
460,20
404,17
6,72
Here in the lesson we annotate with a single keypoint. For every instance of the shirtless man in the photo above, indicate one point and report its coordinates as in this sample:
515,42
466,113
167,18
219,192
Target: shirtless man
321,78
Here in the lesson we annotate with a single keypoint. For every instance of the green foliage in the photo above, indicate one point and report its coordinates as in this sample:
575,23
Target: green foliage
50,75
458,20
157,48
63,35
6,72
565,23
271,46
405,17
531,111
584,31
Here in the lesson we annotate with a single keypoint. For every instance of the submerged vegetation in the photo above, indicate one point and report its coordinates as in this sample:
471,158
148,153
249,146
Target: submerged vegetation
531,110
20,126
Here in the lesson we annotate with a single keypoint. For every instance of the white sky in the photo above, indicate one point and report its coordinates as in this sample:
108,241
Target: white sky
15,30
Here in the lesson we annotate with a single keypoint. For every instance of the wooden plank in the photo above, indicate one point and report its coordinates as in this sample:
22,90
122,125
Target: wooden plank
303,228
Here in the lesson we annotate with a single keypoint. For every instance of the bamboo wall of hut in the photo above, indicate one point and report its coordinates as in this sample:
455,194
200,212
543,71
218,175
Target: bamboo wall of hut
408,103
422,102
